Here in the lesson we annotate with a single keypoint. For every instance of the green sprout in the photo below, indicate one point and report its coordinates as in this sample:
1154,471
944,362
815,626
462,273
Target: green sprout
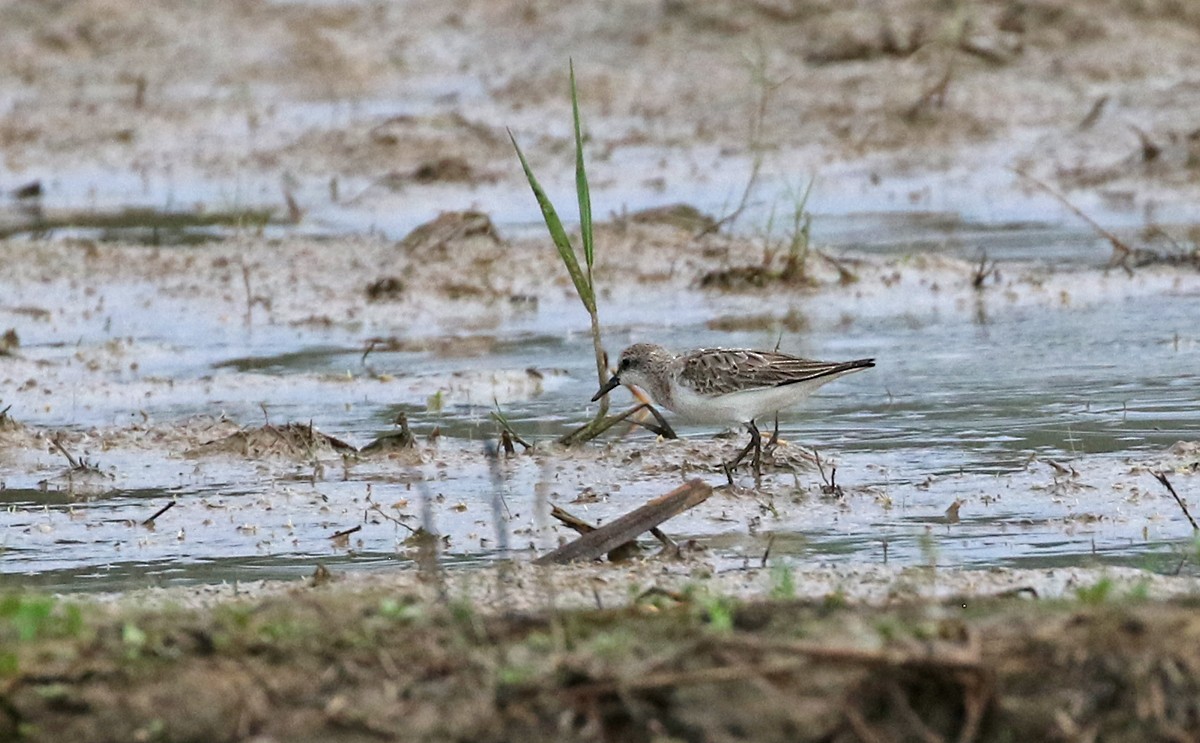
581,276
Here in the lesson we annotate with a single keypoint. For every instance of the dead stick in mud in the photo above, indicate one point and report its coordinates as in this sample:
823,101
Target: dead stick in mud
729,219
982,271
1121,249
621,551
150,521
367,352
934,97
345,532
375,508
249,293
1162,477
75,463
627,527
590,431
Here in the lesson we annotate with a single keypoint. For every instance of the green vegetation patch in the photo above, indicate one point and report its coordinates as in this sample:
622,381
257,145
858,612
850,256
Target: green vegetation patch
337,665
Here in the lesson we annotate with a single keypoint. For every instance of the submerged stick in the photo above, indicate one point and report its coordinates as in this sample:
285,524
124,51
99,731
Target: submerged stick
627,527
1121,249
75,463
345,532
1162,477
150,521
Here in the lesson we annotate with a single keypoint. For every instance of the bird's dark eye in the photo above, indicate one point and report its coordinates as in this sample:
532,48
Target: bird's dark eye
625,364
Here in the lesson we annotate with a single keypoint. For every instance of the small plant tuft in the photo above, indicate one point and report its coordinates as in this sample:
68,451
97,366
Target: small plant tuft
718,612
783,582
28,617
1097,593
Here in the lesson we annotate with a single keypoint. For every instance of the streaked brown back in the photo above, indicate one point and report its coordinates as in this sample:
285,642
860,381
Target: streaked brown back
718,371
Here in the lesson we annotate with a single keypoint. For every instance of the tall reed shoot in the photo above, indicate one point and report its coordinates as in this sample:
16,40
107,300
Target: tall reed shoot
581,276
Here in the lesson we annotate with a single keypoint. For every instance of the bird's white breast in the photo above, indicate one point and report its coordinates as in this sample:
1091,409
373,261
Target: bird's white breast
739,407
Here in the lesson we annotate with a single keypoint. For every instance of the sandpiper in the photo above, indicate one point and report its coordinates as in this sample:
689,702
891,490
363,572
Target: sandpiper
725,385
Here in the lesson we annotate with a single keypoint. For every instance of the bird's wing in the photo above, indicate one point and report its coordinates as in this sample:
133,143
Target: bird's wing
719,371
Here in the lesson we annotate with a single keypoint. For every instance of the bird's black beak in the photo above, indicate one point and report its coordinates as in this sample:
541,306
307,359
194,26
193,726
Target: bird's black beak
609,386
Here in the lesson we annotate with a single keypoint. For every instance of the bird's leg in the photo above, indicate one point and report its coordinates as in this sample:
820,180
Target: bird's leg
774,440
730,466
756,442
754,445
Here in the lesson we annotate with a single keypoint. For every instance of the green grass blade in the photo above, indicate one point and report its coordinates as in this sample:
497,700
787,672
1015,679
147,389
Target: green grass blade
558,234
581,185
803,205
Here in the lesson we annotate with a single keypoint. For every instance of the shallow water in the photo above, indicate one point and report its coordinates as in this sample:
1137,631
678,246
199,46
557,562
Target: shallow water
967,402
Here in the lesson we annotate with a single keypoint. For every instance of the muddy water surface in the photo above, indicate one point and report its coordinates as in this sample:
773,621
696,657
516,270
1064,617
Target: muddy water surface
1037,404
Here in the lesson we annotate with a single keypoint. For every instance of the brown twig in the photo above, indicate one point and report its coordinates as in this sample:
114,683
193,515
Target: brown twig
506,443
674,679
982,271
571,521
858,724
379,510
627,527
1121,249
667,543
75,464
830,486
978,691
367,352
766,555
1150,149
249,292
591,430
1162,477
1093,114
932,98
345,532
904,709
150,521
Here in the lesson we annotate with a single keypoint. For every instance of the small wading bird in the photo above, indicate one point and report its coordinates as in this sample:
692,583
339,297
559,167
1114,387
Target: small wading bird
720,385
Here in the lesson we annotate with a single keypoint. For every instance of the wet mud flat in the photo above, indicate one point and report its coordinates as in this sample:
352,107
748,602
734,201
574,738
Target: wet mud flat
253,385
